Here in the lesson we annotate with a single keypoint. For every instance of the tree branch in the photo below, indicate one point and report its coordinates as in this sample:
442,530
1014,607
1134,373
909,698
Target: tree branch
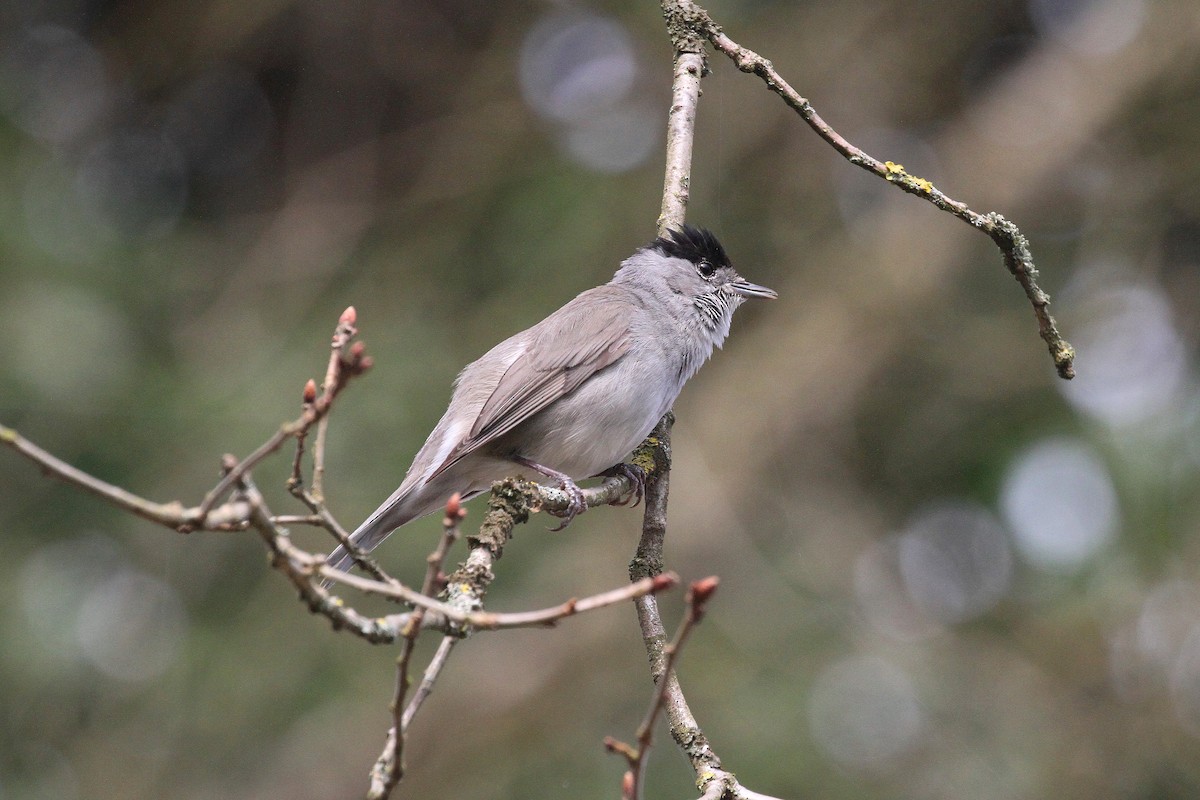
389,767
428,679
698,595
510,503
231,516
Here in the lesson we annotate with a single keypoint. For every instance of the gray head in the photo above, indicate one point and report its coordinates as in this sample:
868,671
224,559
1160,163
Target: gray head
688,268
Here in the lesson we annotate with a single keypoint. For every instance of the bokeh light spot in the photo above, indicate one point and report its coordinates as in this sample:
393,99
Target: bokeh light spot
1184,682
1060,504
134,182
52,84
881,594
1131,361
616,141
576,64
55,581
1090,27
56,219
131,626
68,345
955,560
864,712
577,71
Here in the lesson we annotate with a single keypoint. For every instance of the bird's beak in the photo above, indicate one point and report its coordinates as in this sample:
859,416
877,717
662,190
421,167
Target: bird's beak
747,289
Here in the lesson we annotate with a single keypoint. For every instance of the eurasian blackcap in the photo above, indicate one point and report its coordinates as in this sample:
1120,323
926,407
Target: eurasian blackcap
574,394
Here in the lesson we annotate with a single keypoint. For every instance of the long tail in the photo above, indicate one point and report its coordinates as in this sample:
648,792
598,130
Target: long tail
406,504
414,499
366,537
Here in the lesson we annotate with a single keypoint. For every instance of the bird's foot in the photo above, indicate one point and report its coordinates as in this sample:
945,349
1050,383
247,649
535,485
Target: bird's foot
637,480
576,505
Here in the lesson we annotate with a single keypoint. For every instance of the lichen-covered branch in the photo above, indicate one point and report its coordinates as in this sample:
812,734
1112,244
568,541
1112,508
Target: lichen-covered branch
510,503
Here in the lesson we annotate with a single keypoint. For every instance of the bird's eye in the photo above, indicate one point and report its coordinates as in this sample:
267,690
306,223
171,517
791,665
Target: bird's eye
706,269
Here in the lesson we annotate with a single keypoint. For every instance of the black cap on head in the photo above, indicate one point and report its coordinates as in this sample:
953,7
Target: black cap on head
693,244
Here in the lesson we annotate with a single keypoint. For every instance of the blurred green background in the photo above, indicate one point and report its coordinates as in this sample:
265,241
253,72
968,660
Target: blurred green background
945,572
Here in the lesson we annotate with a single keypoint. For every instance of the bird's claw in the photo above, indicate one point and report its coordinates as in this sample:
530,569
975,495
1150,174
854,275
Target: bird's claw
637,481
576,505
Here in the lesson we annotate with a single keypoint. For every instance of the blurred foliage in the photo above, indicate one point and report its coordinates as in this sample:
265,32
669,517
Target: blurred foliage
945,573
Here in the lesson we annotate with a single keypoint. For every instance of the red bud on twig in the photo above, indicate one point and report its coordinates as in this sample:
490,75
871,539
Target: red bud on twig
349,316
700,592
310,392
617,746
627,785
663,582
356,350
454,509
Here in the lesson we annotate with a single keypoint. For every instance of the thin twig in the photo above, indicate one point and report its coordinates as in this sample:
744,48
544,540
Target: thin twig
542,618
318,475
698,595
389,767
510,503
548,617
308,397
299,519
235,515
342,336
330,523
286,431
349,365
230,516
425,687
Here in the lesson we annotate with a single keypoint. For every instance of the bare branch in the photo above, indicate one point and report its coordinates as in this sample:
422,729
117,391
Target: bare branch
299,519
302,567
548,617
684,21
425,688
389,767
541,618
308,398
231,516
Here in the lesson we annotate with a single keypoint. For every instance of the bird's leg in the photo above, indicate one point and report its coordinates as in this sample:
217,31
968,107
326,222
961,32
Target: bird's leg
576,504
637,479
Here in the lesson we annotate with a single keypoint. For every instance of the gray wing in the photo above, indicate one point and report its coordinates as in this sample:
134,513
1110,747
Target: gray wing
568,347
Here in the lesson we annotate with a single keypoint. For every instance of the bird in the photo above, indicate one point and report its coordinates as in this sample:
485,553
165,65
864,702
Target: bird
572,396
